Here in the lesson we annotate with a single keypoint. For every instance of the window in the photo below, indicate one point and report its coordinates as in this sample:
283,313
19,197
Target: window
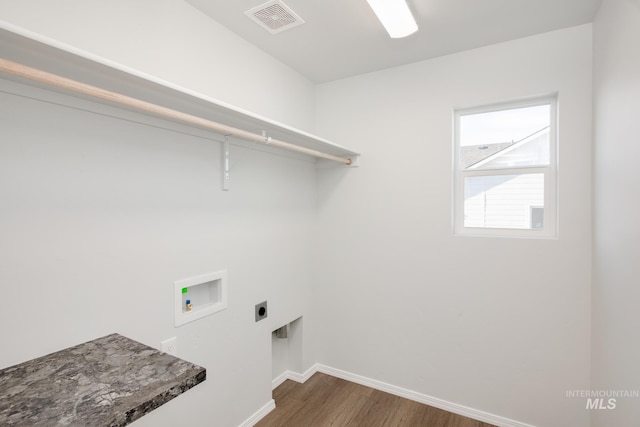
505,169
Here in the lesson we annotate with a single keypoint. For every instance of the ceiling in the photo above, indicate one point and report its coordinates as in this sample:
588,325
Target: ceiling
342,38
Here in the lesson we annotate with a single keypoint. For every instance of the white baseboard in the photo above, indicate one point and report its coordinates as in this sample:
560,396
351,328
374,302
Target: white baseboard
294,376
287,375
402,392
280,379
422,398
263,412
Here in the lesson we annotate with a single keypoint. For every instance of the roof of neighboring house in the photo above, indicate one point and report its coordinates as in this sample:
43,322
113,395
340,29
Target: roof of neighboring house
474,156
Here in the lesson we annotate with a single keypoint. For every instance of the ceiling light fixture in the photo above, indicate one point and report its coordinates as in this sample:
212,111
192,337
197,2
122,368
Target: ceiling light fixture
395,16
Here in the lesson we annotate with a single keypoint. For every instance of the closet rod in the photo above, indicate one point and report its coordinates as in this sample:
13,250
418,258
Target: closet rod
40,76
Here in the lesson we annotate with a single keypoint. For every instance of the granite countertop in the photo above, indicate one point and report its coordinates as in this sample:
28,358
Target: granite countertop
111,381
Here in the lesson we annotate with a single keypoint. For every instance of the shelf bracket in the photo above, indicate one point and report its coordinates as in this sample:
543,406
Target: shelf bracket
225,164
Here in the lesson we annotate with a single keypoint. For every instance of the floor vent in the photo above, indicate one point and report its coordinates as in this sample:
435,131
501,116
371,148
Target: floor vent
274,16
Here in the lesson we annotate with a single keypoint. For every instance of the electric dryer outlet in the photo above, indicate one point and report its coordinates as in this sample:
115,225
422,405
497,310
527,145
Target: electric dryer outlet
261,311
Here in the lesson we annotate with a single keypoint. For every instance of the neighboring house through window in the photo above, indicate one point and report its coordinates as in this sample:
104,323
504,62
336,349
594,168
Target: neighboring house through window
505,169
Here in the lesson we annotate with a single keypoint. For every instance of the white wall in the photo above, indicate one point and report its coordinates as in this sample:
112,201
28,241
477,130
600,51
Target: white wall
499,325
616,348
99,216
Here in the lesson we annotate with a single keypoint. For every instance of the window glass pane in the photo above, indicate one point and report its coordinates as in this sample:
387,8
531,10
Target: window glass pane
504,201
507,138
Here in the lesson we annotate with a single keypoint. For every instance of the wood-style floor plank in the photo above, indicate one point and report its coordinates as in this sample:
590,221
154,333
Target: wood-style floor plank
326,401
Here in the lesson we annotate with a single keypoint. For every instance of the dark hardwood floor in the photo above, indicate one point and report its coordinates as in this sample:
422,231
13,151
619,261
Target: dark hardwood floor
328,401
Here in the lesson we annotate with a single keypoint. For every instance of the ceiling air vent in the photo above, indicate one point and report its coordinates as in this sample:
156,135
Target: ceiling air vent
274,16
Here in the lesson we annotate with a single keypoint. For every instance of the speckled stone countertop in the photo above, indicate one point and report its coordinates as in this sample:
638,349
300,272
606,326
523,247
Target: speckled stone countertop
111,381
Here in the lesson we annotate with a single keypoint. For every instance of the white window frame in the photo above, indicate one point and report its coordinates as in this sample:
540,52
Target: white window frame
550,227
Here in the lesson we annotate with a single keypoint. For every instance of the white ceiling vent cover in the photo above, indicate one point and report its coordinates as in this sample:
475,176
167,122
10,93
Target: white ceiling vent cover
274,16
